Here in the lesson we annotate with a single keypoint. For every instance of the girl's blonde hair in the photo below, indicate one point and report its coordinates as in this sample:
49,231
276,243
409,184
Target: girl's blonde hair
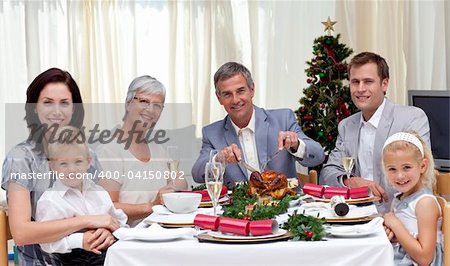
428,178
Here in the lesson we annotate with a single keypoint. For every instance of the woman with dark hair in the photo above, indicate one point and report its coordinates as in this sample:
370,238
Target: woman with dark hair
35,125
53,100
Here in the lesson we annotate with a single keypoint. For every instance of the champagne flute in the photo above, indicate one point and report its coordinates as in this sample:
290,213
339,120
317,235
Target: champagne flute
348,163
214,180
212,154
173,162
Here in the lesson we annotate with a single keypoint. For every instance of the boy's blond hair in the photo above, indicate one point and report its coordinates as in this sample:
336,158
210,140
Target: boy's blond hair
66,137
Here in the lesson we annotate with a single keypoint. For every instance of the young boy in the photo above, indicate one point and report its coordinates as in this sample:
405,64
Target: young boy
75,194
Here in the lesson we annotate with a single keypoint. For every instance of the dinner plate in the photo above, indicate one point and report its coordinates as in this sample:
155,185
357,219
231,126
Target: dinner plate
149,234
351,234
294,203
172,225
178,220
169,223
354,233
354,219
222,201
350,201
355,215
205,194
221,235
205,237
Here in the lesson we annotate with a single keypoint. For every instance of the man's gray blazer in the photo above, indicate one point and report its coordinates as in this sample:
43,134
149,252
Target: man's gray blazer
395,118
268,123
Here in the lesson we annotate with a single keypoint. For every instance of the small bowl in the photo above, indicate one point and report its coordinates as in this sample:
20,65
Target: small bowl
181,202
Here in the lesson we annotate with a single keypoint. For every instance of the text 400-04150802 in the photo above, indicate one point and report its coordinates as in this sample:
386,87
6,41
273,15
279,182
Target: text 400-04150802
142,175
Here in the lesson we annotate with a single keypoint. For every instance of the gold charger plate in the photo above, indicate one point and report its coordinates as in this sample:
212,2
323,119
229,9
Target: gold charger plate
175,225
358,219
217,234
169,225
222,201
205,237
350,201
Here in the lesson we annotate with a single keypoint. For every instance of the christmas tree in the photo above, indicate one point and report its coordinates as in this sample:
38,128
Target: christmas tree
326,100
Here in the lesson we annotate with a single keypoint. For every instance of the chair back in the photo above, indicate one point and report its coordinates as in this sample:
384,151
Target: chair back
5,235
311,177
445,207
443,185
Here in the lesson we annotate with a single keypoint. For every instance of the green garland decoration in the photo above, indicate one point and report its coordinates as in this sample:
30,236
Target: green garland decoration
304,227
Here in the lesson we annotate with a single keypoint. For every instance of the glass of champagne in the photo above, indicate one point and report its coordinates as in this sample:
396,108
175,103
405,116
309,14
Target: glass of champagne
348,163
173,162
212,154
214,180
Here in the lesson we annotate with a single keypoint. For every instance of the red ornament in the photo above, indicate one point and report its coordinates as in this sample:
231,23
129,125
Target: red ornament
308,117
330,137
308,233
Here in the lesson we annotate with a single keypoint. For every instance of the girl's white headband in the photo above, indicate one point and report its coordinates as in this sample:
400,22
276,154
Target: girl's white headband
403,136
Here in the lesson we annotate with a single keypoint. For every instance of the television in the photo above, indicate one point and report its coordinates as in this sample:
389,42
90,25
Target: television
436,104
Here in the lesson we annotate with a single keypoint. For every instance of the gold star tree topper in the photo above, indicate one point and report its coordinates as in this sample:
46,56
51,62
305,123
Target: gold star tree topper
329,25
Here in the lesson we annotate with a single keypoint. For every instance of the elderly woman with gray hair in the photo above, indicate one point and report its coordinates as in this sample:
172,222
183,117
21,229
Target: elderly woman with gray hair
139,167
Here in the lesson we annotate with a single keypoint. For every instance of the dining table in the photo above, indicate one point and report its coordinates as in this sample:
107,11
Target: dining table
373,249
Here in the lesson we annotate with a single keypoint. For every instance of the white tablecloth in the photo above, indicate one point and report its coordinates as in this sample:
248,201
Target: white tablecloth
374,249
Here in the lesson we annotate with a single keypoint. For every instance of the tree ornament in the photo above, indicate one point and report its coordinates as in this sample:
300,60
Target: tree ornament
320,133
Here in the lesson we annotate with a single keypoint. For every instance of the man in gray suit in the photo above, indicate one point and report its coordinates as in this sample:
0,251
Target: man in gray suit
363,134
251,133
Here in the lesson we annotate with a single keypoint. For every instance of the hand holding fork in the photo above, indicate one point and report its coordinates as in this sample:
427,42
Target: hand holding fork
264,165
286,140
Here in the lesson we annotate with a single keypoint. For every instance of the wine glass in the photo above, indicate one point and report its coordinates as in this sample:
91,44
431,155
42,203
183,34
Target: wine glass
214,180
212,154
173,161
348,163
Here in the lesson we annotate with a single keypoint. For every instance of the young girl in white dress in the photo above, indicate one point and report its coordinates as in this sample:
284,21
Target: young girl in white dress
414,223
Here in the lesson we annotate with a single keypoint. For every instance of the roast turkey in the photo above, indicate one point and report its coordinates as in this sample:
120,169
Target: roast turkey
269,183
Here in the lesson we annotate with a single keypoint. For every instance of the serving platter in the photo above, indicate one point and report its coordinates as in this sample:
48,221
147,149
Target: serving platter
206,237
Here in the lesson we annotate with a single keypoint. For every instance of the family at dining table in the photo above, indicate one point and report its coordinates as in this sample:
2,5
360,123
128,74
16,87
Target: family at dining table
59,220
